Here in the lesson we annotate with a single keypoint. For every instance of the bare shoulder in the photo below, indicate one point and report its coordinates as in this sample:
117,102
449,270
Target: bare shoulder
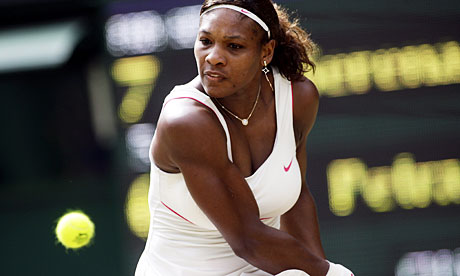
186,130
184,114
305,94
306,101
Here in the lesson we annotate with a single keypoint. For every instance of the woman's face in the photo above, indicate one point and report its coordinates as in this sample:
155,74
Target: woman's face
228,52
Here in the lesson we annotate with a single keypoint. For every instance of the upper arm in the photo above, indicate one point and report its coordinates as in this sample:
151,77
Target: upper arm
191,138
306,101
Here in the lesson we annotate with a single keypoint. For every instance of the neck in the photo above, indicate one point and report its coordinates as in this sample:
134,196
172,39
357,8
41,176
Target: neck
242,101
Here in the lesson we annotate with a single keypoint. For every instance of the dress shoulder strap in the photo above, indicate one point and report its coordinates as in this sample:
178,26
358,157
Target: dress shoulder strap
284,108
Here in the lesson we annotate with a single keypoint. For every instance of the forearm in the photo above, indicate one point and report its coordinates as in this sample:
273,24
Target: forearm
274,251
301,222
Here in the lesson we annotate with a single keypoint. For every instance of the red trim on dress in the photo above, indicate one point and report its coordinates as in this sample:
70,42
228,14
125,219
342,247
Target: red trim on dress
176,213
188,98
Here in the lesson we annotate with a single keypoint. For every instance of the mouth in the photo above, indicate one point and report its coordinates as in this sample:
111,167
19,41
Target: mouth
214,76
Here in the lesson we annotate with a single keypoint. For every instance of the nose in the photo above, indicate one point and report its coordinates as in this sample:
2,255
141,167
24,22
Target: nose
215,56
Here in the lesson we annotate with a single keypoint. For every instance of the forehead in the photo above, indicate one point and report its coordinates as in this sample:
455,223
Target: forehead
228,22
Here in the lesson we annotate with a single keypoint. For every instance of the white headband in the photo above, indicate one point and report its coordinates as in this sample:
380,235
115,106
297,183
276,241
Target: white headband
243,11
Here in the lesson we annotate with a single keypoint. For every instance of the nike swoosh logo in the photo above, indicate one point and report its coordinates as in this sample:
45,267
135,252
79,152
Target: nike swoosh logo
286,169
244,11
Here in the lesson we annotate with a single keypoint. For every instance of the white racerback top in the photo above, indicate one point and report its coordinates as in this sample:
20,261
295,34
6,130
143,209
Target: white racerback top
182,240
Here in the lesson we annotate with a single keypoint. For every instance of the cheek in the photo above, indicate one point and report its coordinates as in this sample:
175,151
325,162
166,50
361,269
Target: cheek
246,67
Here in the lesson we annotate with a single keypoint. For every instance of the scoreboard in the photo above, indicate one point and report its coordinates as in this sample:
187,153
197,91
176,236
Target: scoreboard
383,157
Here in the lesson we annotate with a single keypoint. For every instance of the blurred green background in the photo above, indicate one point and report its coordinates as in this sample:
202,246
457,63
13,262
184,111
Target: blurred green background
82,84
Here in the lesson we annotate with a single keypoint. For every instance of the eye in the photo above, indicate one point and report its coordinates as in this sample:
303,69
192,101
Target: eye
235,46
205,41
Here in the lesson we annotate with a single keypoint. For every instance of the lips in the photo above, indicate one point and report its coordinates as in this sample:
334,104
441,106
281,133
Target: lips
214,75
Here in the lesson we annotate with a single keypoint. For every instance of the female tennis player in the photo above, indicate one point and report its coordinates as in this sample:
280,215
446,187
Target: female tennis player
228,160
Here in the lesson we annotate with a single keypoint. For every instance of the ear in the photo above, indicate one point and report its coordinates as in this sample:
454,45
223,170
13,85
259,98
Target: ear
268,49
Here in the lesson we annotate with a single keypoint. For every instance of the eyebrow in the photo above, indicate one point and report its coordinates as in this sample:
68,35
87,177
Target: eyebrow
226,37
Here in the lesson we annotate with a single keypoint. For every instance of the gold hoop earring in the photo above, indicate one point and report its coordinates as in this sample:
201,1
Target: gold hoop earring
266,70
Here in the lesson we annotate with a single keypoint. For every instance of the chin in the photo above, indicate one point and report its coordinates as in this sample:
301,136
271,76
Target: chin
214,90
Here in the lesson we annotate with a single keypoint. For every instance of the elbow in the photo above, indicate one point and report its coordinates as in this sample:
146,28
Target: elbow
246,246
249,241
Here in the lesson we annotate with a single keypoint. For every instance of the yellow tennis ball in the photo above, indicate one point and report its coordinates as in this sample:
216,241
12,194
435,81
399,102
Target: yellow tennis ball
74,230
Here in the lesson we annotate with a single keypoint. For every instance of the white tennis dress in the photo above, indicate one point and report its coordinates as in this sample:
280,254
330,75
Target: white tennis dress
182,241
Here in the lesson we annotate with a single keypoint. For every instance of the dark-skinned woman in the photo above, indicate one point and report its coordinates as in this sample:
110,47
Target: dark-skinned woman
228,194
